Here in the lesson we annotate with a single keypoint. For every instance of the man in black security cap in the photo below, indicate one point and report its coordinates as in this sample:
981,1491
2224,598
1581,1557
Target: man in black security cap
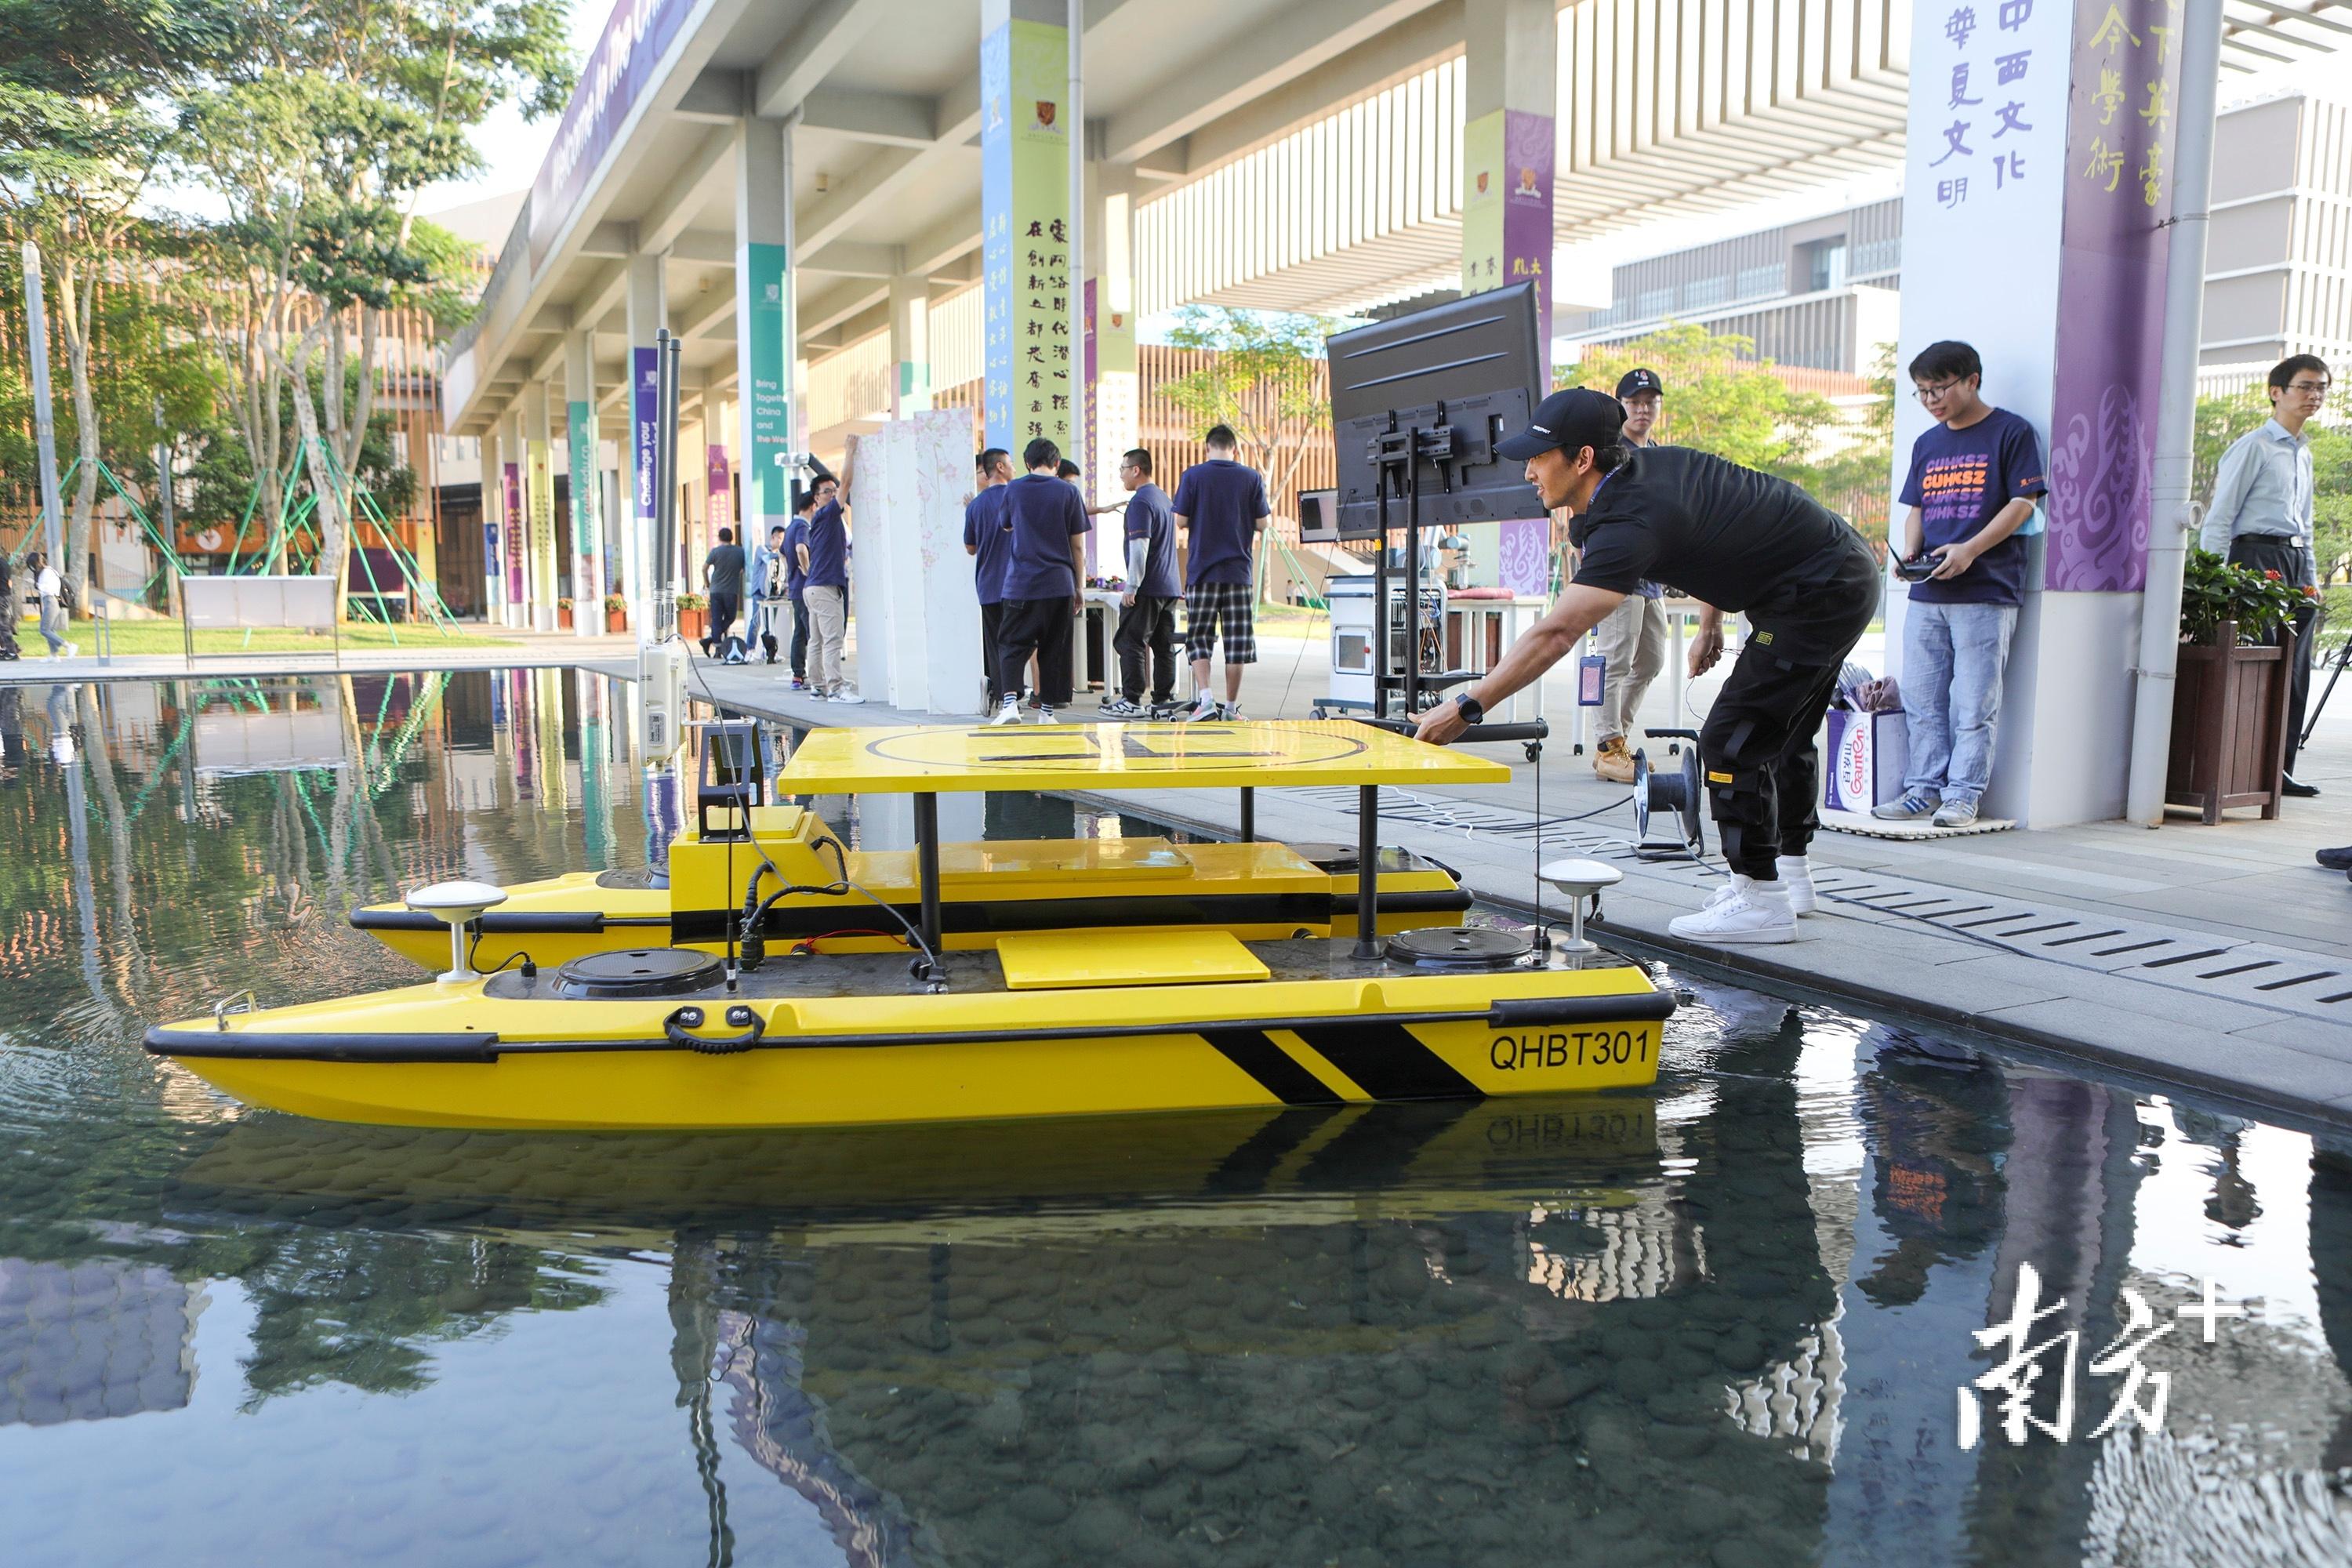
1632,638
1735,539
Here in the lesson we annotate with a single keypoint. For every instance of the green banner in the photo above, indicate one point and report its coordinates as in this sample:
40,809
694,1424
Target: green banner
1033,385
768,406
587,536
540,485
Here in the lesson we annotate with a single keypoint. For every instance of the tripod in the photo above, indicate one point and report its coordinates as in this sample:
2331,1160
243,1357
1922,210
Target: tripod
2336,664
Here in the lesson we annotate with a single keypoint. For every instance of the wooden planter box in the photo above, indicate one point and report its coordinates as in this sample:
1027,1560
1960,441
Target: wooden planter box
617,621
689,624
2228,725
563,617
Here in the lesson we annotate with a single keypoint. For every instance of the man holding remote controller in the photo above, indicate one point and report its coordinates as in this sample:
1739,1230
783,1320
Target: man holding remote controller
1735,539
1975,476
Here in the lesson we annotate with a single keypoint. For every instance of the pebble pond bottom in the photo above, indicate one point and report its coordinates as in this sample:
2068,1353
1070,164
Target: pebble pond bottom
1735,1319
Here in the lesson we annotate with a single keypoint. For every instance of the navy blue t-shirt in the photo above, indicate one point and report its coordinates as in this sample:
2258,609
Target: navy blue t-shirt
726,564
1151,518
1222,501
1044,514
795,536
1960,480
984,527
828,545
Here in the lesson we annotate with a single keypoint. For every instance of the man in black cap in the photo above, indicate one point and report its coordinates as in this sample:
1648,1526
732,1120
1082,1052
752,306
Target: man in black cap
1735,539
1632,638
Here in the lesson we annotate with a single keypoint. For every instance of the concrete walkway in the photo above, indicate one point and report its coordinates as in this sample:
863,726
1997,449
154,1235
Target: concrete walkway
2219,958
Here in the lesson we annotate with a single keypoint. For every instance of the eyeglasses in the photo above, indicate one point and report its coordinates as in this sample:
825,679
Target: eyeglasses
2310,388
1938,392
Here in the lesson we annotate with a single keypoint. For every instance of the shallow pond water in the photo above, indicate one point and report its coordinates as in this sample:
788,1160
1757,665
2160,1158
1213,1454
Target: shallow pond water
1733,1319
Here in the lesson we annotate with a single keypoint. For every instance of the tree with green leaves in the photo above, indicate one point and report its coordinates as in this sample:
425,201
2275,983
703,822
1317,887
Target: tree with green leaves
87,95
322,142
1262,376
1720,398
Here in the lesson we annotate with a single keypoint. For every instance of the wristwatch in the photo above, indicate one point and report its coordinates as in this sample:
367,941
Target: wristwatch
1473,710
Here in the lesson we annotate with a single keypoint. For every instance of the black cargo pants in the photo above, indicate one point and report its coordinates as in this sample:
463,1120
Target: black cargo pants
1760,757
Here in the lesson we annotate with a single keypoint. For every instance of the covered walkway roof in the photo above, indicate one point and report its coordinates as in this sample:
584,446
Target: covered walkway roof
1292,153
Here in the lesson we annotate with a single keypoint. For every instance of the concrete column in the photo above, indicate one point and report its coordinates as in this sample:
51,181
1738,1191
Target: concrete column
1510,101
910,346
539,496
1114,401
764,323
2041,146
587,483
1024,70
495,524
648,311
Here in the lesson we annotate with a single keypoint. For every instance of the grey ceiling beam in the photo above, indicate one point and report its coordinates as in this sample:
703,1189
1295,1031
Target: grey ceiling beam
1292,43
808,55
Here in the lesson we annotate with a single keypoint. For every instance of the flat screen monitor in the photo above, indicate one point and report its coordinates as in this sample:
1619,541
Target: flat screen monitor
1473,362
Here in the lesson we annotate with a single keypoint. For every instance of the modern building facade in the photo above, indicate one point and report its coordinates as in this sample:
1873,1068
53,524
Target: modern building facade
2278,263
1824,294
1821,294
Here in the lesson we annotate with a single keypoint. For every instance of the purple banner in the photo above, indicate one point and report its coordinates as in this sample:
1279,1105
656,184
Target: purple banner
512,485
1528,140
2118,173
644,417
715,472
636,34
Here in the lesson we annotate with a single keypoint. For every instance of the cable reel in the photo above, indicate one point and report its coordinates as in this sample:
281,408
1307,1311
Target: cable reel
1667,803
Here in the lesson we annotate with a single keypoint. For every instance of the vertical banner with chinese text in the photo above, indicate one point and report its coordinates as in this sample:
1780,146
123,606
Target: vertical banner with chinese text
1031,385
2110,340
511,484
539,491
1507,207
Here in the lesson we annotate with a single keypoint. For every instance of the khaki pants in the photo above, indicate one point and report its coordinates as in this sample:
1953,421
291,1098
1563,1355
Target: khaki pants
1633,639
828,611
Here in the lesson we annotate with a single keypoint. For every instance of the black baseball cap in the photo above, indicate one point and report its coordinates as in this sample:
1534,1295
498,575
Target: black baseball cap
1638,381
1571,420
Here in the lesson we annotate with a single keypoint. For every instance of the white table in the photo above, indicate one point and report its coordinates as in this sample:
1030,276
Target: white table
1474,618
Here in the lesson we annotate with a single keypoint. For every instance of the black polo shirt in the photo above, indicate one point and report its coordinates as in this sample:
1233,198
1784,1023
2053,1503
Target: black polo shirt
1736,539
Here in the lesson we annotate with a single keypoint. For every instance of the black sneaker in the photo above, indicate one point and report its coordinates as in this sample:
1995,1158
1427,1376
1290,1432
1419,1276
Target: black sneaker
2337,859
2289,785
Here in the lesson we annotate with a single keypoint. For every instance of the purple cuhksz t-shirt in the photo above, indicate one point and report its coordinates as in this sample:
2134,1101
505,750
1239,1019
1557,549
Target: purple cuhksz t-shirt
1960,480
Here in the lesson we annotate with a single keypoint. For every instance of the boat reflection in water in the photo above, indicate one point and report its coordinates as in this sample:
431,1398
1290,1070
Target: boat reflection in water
1723,1320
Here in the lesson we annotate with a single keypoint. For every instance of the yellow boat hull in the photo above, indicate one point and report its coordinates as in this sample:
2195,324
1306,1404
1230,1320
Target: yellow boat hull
1259,892
507,1053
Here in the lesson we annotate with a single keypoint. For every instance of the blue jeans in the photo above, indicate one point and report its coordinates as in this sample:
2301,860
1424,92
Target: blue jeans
1953,655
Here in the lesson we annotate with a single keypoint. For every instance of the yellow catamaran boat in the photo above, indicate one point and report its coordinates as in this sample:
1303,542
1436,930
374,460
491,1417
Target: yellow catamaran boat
1020,1021
1256,889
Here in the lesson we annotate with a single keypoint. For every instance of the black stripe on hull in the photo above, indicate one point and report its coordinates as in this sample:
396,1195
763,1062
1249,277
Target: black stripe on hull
1390,1061
1276,1070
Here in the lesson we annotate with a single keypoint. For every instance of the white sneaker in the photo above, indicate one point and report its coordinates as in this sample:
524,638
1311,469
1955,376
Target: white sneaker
1008,712
1733,886
73,650
1203,707
1044,714
1797,876
845,695
1755,914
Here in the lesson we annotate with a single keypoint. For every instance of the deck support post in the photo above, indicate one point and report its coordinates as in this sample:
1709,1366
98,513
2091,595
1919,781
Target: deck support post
926,865
1249,814
1368,871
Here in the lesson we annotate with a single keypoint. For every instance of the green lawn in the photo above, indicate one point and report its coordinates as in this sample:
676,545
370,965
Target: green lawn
135,637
